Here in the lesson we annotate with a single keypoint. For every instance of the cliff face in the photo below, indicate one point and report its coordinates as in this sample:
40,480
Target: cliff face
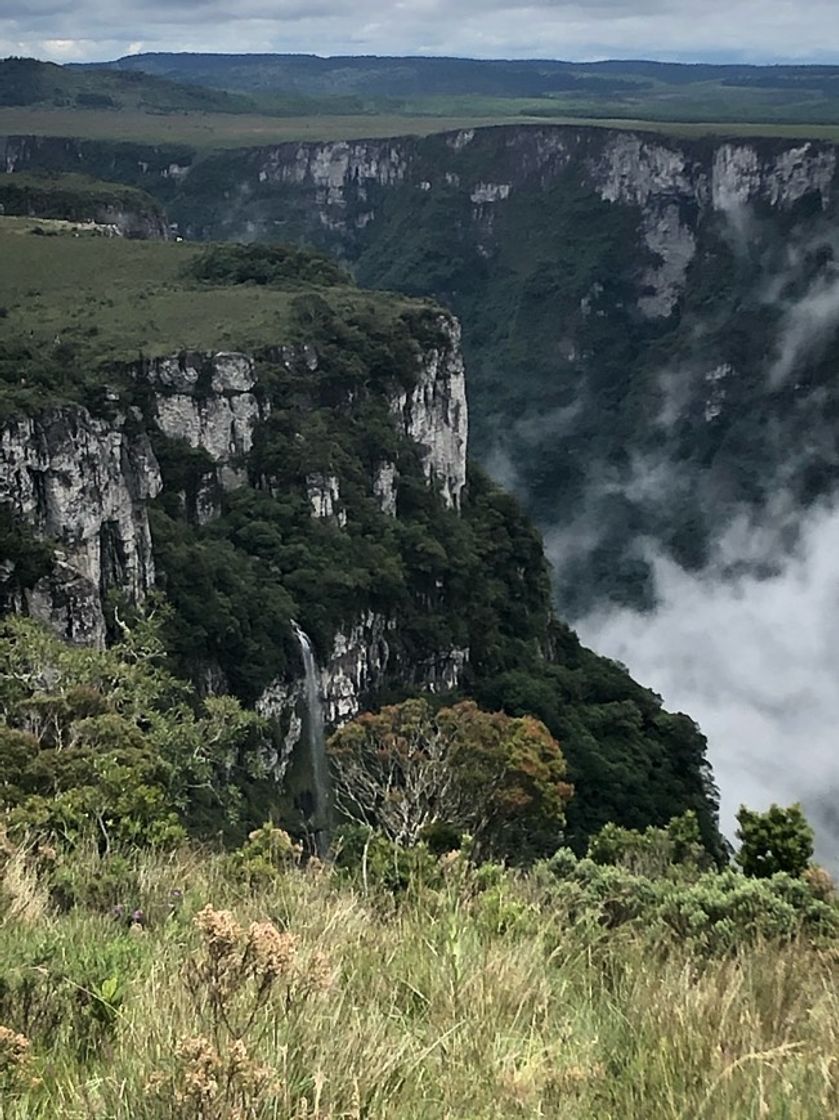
649,321
433,415
85,484
336,194
363,657
313,474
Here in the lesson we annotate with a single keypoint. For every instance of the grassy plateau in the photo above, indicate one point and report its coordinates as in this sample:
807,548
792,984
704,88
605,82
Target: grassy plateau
113,299
224,130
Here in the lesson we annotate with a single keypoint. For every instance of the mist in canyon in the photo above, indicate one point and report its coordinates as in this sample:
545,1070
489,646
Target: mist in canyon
749,644
754,659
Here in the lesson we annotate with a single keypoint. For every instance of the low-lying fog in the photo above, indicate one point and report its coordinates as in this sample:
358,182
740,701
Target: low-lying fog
755,661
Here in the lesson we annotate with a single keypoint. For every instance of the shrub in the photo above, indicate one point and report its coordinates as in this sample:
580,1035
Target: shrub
274,265
777,840
376,862
653,852
267,852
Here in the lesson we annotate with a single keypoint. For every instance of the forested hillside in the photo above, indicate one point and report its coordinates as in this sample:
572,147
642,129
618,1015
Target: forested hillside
537,87
26,81
648,322
260,440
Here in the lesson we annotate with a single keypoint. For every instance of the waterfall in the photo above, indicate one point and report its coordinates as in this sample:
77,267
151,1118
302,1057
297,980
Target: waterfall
315,738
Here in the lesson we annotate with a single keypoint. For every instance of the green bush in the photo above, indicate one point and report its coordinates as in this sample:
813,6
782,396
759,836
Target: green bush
273,265
716,911
374,862
655,851
777,840
267,852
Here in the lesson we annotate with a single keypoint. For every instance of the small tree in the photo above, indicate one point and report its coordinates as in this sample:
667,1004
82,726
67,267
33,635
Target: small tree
108,740
777,840
406,769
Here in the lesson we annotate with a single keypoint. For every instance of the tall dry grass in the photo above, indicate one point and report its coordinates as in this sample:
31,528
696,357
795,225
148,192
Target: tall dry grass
442,1004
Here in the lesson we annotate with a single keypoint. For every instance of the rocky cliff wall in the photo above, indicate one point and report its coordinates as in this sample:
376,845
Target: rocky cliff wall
632,304
85,483
335,194
362,658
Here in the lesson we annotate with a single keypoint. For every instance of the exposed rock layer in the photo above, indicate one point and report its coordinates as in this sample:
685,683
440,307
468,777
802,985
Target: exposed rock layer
84,483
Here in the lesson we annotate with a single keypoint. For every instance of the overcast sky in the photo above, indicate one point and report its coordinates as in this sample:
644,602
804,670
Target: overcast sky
689,30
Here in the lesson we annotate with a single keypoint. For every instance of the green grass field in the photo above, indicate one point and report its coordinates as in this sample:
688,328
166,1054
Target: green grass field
112,299
224,130
302,997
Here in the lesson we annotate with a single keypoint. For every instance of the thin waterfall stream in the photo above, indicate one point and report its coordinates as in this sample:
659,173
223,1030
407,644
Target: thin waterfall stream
315,737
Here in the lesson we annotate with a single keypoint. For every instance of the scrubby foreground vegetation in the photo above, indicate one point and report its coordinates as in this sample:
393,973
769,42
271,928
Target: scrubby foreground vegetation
198,986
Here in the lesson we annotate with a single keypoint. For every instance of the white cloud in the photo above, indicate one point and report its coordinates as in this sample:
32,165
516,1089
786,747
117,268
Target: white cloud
755,662
808,325
64,49
581,29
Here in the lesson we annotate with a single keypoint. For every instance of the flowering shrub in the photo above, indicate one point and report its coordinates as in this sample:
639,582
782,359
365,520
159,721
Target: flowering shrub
267,852
15,1062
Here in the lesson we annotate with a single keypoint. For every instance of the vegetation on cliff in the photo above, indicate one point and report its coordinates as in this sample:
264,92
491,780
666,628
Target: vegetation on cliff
77,198
476,580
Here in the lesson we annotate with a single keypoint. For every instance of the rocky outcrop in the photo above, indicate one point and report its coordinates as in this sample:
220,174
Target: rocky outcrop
209,401
83,483
325,498
139,225
433,414
386,487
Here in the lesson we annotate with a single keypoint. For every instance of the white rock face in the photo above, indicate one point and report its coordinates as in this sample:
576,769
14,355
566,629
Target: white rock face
635,170
83,483
333,169
490,192
715,392
740,176
360,657
325,498
675,246
283,701
461,140
356,665
208,400
386,487
433,414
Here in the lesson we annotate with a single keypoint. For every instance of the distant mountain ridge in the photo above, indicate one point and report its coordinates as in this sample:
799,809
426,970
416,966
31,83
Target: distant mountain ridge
517,77
29,82
641,89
